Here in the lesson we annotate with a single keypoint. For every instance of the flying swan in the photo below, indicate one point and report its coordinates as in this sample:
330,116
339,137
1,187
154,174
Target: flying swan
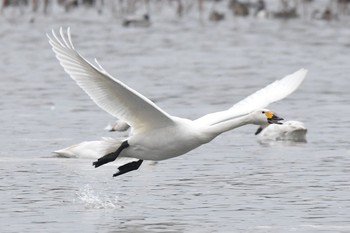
156,135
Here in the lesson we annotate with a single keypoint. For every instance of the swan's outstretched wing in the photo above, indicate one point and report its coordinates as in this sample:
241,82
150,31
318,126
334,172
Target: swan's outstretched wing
260,99
107,92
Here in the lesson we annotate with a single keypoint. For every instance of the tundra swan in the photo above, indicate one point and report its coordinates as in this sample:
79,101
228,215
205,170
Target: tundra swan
156,135
118,125
287,131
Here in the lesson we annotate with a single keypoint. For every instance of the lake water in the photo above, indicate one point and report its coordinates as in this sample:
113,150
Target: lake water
189,68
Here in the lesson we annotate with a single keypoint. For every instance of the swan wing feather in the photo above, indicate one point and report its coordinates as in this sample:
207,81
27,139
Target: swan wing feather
107,92
273,92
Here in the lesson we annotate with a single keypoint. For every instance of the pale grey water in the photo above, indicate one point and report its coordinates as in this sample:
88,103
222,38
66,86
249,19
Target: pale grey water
189,69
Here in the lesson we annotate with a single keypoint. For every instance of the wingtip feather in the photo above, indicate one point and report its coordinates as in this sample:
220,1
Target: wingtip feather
302,72
70,38
62,40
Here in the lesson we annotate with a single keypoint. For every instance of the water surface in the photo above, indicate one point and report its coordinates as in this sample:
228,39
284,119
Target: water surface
189,68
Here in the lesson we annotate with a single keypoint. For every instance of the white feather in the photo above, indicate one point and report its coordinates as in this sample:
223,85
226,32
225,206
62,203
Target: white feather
107,92
260,99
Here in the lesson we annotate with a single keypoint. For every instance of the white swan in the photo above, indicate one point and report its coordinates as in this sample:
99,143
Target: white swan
118,125
287,131
156,134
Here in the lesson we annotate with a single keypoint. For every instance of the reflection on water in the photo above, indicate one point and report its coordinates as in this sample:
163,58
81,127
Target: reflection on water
233,184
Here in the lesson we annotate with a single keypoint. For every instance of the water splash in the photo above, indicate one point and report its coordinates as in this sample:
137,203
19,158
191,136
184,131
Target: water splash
96,200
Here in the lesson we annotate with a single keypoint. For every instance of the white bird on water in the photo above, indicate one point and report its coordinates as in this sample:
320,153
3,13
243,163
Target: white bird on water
118,125
156,135
294,131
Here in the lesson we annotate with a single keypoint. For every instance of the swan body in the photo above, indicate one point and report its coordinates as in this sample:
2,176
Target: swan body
156,135
287,131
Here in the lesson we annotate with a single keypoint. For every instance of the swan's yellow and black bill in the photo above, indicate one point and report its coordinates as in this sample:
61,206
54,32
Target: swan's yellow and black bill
272,118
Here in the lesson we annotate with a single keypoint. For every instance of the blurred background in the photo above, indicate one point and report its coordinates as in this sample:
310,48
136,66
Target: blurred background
191,57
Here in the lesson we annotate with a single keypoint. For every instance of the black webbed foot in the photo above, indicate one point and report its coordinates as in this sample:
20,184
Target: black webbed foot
111,156
128,167
105,159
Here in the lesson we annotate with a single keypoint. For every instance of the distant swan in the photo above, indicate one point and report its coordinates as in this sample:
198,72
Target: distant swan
118,125
156,134
287,131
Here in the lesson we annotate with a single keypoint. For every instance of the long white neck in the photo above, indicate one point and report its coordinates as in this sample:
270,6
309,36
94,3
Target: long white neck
221,127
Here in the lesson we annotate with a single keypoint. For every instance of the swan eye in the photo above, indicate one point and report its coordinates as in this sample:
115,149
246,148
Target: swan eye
263,112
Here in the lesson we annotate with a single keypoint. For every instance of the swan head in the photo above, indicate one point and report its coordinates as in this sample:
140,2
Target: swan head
264,117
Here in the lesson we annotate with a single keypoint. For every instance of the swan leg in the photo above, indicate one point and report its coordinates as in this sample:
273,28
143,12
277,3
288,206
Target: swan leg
111,156
128,167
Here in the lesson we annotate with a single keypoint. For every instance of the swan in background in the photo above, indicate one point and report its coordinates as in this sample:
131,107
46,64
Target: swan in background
87,149
94,149
261,11
118,125
294,131
156,134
